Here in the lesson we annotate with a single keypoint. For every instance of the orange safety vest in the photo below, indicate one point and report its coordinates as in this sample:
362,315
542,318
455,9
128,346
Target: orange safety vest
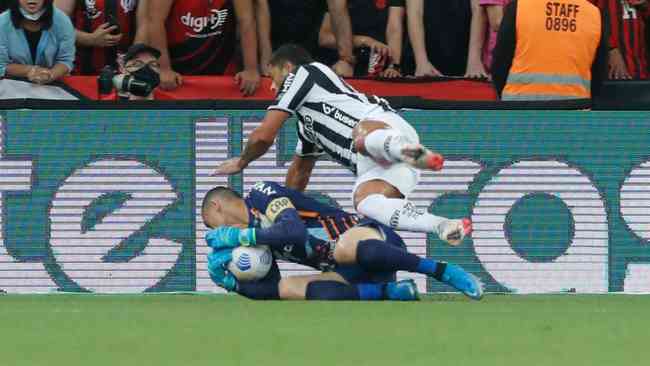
556,47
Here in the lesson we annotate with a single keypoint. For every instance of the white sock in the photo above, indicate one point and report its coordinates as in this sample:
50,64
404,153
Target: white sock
400,214
386,144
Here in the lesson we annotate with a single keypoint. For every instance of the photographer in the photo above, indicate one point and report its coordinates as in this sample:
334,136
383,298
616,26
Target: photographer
139,76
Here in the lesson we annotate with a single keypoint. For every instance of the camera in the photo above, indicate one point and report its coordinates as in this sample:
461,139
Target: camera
109,78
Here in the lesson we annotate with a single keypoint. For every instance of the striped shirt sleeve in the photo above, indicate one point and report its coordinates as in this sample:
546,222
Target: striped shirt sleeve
294,91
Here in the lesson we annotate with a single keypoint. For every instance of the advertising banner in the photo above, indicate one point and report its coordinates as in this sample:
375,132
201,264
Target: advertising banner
109,201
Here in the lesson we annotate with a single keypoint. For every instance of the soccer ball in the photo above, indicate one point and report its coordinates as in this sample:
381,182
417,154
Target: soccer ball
250,263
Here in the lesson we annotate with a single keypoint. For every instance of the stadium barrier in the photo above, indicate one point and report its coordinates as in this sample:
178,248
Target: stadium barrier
108,200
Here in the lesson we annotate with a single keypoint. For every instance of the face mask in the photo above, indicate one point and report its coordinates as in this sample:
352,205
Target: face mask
33,17
148,75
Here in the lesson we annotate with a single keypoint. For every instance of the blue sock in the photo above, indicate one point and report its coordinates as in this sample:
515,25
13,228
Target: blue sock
427,266
371,291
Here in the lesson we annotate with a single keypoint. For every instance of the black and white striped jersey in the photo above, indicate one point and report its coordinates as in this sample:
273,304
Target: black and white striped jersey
327,109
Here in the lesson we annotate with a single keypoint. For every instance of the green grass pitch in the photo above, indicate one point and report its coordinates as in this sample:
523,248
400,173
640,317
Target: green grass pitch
444,330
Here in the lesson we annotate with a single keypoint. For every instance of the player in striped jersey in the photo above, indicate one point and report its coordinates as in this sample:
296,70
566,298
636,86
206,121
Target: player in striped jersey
358,256
362,133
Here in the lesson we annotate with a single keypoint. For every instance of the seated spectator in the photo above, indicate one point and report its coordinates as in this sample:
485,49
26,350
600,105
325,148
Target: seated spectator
486,20
299,22
439,34
104,30
196,37
378,28
627,41
36,42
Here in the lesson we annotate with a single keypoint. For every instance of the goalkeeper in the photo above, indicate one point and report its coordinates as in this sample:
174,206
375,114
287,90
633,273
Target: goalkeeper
358,256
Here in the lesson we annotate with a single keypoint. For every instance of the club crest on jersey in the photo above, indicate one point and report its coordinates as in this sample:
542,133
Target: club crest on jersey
211,23
91,9
128,5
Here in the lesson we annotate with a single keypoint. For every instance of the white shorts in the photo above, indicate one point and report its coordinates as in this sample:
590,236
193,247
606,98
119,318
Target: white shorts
402,176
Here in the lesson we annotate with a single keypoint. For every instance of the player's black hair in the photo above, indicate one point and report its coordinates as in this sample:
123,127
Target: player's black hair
291,53
219,193
17,17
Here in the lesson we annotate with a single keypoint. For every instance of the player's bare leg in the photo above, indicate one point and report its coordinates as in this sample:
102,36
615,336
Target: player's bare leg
387,145
383,202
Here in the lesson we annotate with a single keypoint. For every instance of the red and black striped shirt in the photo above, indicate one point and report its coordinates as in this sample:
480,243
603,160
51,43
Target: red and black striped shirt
88,16
628,33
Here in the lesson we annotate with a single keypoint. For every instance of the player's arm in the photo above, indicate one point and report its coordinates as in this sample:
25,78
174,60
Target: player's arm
272,200
300,172
259,142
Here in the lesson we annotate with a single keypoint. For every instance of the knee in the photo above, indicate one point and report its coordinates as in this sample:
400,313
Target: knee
345,251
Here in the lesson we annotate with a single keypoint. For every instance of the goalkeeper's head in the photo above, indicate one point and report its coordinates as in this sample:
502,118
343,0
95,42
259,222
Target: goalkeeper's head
223,206
286,60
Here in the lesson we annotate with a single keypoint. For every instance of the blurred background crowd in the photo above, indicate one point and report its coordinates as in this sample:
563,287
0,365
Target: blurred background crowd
44,40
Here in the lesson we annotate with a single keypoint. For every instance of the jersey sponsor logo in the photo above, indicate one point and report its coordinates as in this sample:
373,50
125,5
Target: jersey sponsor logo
128,5
212,23
91,9
244,262
308,128
339,115
277,206
262,187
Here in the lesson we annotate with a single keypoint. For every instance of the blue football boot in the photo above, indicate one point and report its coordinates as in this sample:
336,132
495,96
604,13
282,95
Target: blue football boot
404,290
463,281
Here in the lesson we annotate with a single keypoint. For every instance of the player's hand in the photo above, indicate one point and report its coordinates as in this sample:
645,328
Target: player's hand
617,68
377,47
424,69
229,237
230,167
102,36
170,79
476,70
217,268
343,69
248,81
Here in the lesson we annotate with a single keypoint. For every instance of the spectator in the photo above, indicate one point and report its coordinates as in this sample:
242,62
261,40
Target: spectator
104,30
627,41
378,27
141,62
36,41
299,22
442,40
486,20
550,51
199,38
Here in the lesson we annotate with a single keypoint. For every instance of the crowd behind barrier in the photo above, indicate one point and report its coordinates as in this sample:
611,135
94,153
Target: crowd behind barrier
362,38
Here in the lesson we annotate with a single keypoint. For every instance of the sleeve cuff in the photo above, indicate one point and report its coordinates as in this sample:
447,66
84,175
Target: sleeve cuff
278,108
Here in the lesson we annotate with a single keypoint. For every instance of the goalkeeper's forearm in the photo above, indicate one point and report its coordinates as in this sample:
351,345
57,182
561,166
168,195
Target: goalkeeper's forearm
288,229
